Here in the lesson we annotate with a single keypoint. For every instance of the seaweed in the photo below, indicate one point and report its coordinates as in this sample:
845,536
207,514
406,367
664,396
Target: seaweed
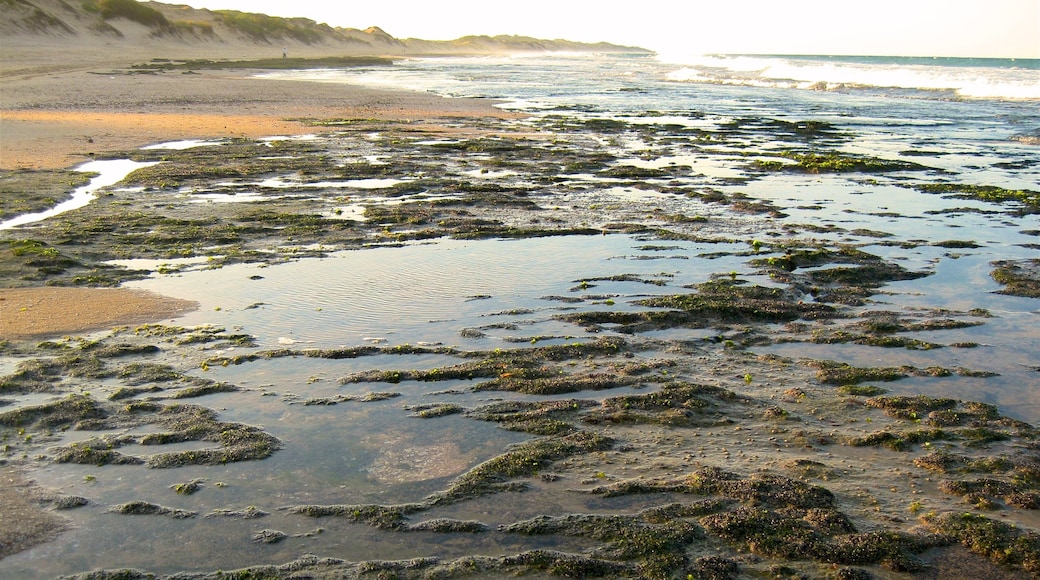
142,508
65,412
1018,278
1029,199
836,373
97,451
382,517
832,162
523,460
658,549
676,404
1001,542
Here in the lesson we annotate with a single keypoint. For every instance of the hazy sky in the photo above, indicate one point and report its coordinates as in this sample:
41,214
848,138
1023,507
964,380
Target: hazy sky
1002,28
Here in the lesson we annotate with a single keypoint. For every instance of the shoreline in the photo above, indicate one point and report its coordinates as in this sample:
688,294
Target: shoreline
57,120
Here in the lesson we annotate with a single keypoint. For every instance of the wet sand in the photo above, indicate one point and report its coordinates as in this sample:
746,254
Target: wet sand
27,313
59,120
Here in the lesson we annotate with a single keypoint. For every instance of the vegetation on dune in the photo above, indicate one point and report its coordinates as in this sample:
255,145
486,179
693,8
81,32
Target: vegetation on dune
35,19
266,28
130,10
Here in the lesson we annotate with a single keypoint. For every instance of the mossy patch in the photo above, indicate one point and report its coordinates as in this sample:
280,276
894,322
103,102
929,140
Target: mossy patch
1018,278
524,460
143,508
999,541
65,412
675,404
657,547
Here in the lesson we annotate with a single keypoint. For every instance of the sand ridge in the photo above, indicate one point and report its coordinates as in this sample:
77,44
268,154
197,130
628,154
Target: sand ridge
53,311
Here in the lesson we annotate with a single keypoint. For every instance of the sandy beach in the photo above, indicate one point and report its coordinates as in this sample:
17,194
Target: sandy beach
57,118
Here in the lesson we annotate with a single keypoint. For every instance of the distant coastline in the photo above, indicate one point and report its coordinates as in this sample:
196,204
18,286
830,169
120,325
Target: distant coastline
964,61
179,30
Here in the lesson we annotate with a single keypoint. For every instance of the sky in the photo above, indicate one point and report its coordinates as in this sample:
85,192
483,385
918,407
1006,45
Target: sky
983,28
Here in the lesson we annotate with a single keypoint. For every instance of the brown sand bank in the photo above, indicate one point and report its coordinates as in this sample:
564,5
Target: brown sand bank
55,121
41,312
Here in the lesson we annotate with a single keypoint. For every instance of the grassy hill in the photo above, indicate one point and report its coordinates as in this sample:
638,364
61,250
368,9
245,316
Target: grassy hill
154,23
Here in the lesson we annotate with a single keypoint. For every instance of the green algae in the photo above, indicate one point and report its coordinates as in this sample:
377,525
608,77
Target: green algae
944,461
538,418
837,373
449,526
914,408
1001,542
523,460
1018,278
188,487
832,162
675,404
25,191
720,301
185,423
142,508
657,547
382,517
203,390
758,489
97,451
1028,199
797,535
731,301
31,260
433,410
247,513
65,412
237,442
900,440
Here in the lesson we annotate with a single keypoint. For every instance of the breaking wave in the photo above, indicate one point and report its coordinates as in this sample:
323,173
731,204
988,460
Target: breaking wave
948,77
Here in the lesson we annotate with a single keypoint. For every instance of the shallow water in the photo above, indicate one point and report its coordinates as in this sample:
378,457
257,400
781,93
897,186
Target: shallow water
498,293
429,292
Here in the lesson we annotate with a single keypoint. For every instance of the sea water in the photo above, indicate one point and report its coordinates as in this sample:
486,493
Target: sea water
974,121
